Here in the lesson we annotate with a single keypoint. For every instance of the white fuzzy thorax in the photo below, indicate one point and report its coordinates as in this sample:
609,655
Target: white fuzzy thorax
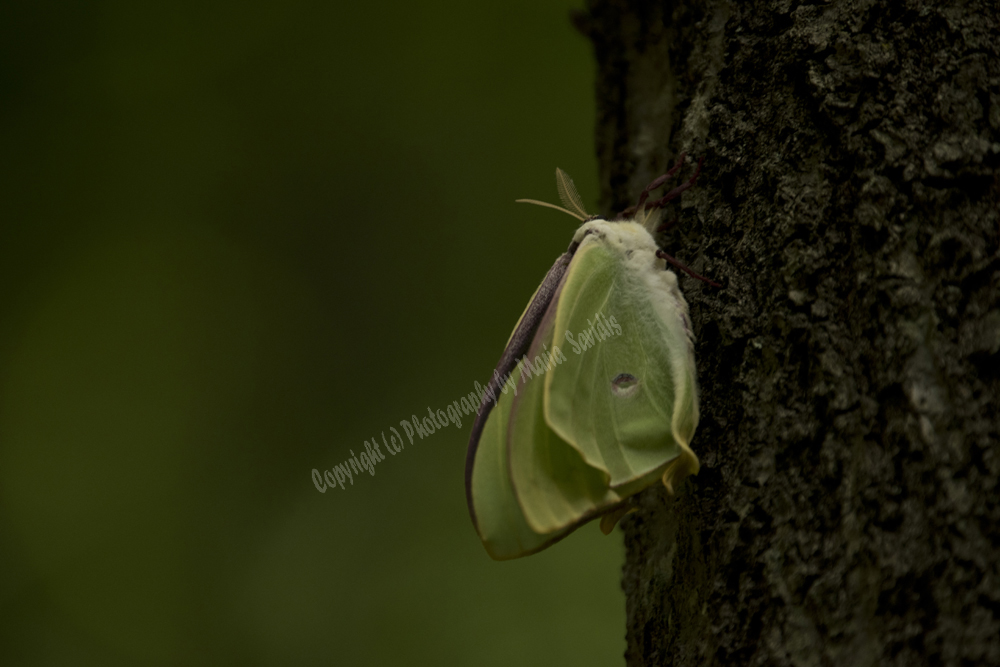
637,252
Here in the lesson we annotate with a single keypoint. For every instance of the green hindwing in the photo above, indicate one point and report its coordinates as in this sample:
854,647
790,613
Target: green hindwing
558,490
495,510
555,486
499,519
603,401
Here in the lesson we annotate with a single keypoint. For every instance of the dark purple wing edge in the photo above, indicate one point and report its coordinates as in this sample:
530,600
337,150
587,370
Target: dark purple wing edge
518,345
568,530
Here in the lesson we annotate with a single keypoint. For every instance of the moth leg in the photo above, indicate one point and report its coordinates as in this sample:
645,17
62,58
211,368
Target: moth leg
666,225
657,182
679,189
685,269
660,180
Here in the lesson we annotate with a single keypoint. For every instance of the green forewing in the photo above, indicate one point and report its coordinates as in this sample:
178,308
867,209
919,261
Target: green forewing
629,434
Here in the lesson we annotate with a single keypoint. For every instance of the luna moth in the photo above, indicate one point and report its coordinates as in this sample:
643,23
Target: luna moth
595,396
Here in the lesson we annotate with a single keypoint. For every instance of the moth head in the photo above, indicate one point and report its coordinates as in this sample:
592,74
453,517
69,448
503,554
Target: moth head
568,195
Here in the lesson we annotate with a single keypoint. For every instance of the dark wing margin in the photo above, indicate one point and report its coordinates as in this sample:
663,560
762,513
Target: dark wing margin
519,343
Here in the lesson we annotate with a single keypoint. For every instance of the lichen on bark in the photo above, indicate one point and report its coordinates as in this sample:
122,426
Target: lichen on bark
846,511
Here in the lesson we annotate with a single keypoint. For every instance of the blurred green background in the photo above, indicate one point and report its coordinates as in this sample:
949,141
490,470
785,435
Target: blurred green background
237,240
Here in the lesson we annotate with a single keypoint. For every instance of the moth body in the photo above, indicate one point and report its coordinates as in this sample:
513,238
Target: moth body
604,399
637,251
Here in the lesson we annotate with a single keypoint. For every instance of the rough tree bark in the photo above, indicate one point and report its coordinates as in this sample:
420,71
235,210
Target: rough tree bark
846,512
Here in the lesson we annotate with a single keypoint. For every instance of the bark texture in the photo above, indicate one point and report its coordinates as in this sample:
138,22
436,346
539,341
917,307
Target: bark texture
846,512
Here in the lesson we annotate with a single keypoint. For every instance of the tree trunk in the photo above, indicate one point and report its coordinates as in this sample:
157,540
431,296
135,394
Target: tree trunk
846,511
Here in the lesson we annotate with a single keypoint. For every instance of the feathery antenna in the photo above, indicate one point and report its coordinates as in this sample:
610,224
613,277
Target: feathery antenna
568,195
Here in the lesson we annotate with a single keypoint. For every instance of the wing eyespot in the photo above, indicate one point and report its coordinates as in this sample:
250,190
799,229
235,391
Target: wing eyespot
624,385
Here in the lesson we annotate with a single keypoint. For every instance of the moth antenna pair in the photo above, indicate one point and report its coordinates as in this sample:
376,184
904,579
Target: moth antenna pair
568,195
646,213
